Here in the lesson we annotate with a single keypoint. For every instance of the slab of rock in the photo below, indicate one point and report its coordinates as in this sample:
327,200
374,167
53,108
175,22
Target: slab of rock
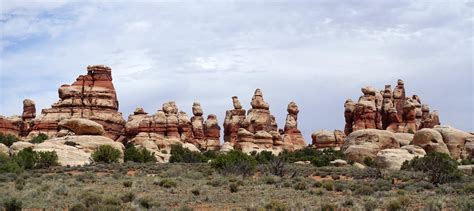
18,146
404,138
4,149
430,140
67,155
338,163
454,139
466,169
367,143
394,158
82,126
328,139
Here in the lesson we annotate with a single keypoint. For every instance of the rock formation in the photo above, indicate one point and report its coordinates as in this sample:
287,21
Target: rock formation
258,130
91,96
367,143
328,139
170,126
388,110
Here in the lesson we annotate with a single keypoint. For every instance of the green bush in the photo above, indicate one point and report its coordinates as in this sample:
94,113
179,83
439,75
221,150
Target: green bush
317,157
263,157
184,155
8,139
78,207
26,158
368,161
166,183
106,154
139,156
235,162
233,187
40,138
46,159
8,165
12,204
300,186
439,167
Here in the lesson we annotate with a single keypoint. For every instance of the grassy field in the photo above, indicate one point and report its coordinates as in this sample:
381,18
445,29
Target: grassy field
180,186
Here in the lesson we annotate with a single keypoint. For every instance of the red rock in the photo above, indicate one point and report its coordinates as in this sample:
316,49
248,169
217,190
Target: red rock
388,110
29,110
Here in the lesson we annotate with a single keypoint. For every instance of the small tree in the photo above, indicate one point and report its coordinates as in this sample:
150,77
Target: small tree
26,158
8,165
139,156
106,154
439,166
40,138
46,159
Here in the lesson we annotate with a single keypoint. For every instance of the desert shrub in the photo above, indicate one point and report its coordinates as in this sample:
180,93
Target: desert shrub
166,183
148,202
127,197
78,207
469,188
12,204
370,204
184,155
195,192
276,206
127,183
364,190
277,166
234,162
300,186
111,200
439,166
8,139
90,199
382,185
106,154
399,203
26,158
217,182
263,157
328,185
8,165
46,159
465,203
340,186
328,207
233,187
70,143
140,156
40,138
368,161
210,154
347,202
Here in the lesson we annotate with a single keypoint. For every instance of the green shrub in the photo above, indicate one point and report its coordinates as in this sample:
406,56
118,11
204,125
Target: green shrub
263,157
370,204
8,165
300,186
78,207
127,197
12,204
127,184
139,156
234,162
195,192
439,166
364,190
46,159
26,158
368,161
276,206
70,143
328,207
166,183
8,139
233,187
106,154
40,138
328,185
184,155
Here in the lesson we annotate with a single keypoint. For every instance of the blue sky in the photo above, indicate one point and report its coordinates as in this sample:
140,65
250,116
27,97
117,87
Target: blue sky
316,53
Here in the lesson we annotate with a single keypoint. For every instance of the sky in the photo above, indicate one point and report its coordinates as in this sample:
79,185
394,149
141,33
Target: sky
315,53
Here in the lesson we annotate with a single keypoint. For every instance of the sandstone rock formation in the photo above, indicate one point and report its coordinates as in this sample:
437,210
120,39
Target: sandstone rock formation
258,130
91,96
388,110
170,126
367,143
82,126
328,139
446,139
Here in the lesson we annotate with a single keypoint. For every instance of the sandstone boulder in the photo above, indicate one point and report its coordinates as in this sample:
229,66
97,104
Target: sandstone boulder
82,126
394,158
18,146
67,155
430,140
467,170
338,163
454,139
404,138
4,149
367,143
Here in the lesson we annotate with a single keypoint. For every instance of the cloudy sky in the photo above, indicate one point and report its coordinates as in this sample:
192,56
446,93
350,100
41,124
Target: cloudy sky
316,53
